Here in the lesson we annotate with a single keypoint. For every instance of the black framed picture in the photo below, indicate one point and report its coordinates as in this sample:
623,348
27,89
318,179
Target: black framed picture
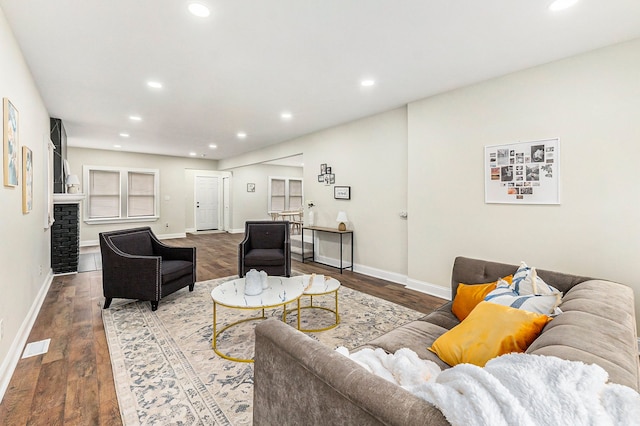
323,168
331,179
342,192
251,187
320,178
328,170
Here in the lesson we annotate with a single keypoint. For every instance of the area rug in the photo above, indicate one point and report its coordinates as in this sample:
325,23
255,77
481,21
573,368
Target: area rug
166,372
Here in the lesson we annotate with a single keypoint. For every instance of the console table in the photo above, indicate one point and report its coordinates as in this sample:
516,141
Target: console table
315,229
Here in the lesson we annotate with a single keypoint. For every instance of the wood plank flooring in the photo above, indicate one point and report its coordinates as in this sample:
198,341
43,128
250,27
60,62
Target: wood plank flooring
72,384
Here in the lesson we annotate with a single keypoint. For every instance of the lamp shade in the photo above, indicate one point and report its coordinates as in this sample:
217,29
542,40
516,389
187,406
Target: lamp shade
342,219
73,180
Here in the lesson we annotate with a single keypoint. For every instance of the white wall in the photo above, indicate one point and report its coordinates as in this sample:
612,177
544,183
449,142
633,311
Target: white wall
254,205
173,184
25,249
591,103
370,155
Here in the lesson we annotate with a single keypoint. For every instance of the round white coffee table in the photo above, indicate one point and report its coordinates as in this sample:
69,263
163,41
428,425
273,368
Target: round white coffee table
281,291
328,286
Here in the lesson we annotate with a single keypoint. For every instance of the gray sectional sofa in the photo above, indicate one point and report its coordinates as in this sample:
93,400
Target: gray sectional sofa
301,381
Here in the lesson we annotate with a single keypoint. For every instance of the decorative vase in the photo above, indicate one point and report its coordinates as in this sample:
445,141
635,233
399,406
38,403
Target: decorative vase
252,283
311,218
264,278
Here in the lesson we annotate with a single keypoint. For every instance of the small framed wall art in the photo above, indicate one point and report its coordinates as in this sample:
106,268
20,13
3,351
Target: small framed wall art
329,179
326,176
27,180
251,187
342,192
11,147
523,172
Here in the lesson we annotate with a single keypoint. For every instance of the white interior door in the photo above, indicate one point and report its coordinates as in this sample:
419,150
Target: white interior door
206,203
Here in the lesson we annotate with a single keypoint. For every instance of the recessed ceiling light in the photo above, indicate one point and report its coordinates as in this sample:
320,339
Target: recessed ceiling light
562,4
193,154
367,83
117,146
154,84
124,135
135,117
199,10
286,115
213,146
241,135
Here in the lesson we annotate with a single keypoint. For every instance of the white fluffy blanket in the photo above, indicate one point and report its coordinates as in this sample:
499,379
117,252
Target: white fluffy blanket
531,390
404,368
514,389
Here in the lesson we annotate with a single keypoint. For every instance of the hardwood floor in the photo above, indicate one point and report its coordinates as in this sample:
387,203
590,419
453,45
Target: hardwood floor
73,384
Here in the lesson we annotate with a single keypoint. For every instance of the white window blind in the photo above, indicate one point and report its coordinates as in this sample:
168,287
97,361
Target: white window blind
104,194
285,194
277,194
141,194
295,194
117,194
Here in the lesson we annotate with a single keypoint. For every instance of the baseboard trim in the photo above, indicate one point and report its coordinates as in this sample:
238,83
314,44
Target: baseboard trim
394,277
15,350
330,261
91,243
431,289
236,231
171,236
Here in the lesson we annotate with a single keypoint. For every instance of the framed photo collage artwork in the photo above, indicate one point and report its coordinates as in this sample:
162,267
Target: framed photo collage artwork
523,172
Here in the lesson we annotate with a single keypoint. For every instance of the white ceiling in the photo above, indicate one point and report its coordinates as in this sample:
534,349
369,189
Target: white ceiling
252,59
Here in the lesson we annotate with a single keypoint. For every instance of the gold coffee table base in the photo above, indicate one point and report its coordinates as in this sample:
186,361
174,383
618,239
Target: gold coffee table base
312,306
216,332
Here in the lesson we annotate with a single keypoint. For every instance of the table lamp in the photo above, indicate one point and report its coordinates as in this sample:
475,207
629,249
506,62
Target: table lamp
342,219
72,184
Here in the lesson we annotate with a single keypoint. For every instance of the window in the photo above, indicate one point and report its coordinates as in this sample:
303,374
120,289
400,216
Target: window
285,194
295,194
142,195
120,194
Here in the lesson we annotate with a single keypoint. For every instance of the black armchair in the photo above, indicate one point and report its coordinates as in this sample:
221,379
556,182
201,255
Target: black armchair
136,265
265,247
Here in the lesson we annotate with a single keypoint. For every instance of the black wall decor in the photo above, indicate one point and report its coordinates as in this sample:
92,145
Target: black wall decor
59,139
326,176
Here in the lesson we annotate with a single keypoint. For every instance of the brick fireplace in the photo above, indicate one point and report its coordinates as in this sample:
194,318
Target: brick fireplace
65,233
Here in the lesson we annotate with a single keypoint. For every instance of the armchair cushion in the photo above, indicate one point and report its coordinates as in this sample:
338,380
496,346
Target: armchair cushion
264,257
171,270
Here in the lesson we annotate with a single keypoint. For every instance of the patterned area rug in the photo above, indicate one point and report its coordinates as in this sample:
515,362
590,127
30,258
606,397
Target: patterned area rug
166,372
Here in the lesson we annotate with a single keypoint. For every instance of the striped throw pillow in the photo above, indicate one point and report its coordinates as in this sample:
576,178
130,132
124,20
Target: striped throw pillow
539,303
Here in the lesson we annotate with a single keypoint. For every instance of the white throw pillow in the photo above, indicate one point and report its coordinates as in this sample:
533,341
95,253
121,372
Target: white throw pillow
526,281
541,304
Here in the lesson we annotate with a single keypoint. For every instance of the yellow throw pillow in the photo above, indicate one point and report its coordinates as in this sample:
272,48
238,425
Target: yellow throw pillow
469,295
489,331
